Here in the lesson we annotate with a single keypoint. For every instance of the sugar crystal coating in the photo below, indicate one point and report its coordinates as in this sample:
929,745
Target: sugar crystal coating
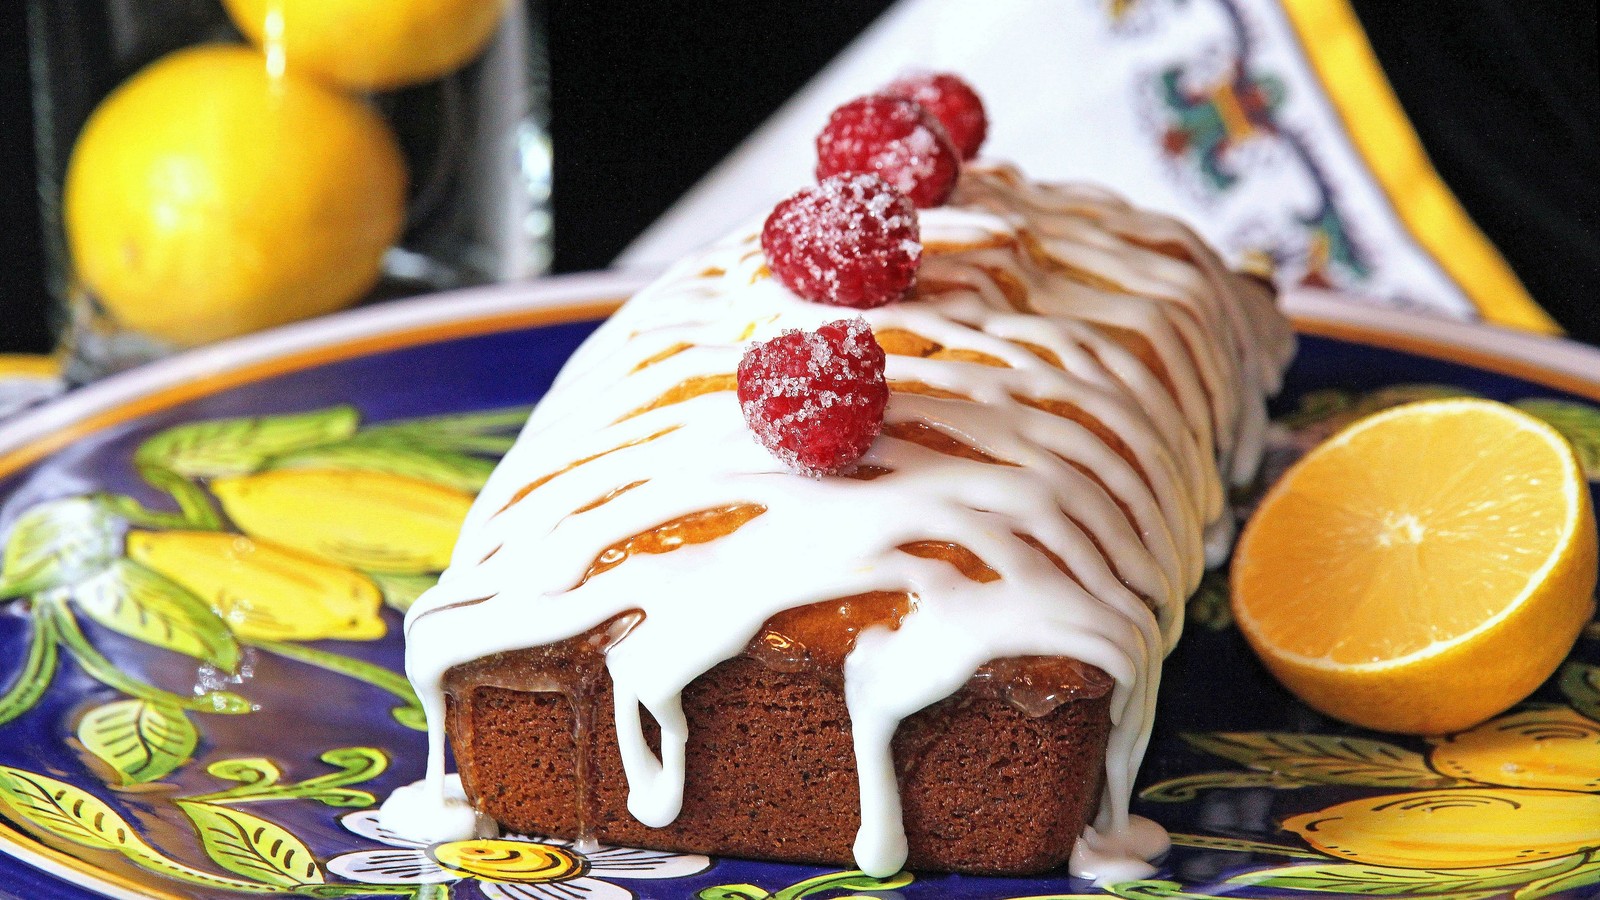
894,138
952,101
850,241
815,399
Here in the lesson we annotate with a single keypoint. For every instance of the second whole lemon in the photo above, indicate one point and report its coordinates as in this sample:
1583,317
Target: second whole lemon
208,197
370,44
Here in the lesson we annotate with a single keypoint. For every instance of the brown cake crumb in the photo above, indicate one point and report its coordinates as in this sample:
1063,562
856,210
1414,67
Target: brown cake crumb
986,788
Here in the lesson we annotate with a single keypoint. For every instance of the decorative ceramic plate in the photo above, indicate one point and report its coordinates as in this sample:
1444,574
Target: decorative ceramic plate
206,561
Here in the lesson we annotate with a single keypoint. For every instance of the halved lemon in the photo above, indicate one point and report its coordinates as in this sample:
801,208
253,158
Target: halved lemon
1424,569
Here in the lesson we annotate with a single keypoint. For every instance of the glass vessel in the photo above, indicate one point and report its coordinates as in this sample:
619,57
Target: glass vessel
208,168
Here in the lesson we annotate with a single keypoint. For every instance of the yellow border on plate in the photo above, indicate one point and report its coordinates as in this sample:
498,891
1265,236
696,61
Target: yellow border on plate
296,361
1332,38
507,321
35,846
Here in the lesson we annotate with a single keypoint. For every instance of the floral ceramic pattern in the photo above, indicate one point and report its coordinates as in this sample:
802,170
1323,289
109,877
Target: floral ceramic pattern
512,867
329,522
200,695
248,561
1219,121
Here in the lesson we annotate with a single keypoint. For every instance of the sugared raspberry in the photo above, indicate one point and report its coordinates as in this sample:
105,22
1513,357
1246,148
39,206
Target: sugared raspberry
894,138
952,101
815,399
849,241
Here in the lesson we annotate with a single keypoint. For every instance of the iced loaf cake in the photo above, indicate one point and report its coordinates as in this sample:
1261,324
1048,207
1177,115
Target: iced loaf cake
946,654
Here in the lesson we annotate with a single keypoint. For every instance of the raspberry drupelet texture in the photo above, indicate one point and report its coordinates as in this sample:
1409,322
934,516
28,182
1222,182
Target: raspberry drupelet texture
815,399
850,241
952,101
894,138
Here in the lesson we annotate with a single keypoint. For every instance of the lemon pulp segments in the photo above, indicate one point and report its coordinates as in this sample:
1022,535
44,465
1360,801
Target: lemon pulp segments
1422,570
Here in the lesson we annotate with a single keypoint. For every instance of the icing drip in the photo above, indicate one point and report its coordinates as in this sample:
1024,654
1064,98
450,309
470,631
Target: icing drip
1111,857
1075,384
434,811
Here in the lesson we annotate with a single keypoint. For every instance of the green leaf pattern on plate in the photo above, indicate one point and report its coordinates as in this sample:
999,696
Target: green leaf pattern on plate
37,670
1580,682
1187,787
71,813
143,604
65,810
459,431
1584,875
1382,881
811,887
255,775
1324,759
58,542
68,554
401,590
259,779
420,892
251,846
142,741
1209,607
103,670
238,446
1332,409
444,467
1239,845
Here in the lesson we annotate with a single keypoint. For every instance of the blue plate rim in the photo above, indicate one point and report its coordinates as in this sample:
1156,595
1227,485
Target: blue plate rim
1551,361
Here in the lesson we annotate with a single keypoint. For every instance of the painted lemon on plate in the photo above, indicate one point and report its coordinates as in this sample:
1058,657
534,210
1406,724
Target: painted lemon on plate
262,590
1460,827
208,197
1537,748
369,520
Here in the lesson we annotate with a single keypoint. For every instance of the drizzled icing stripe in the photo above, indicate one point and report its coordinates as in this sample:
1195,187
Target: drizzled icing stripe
1115,383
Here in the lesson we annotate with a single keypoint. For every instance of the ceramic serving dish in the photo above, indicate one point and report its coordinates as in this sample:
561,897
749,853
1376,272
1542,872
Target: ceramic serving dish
206,562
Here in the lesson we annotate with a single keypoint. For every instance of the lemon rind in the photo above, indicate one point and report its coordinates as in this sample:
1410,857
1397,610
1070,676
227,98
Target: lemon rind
1574,482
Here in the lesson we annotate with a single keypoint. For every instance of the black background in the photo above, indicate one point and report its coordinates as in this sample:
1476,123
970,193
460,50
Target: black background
647,97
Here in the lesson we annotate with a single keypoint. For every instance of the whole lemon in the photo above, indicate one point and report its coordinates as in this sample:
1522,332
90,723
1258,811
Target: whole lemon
370,44
206,198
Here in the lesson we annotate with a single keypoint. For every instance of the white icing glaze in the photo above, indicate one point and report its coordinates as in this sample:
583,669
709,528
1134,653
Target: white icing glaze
1083,266
419,812
1119,856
